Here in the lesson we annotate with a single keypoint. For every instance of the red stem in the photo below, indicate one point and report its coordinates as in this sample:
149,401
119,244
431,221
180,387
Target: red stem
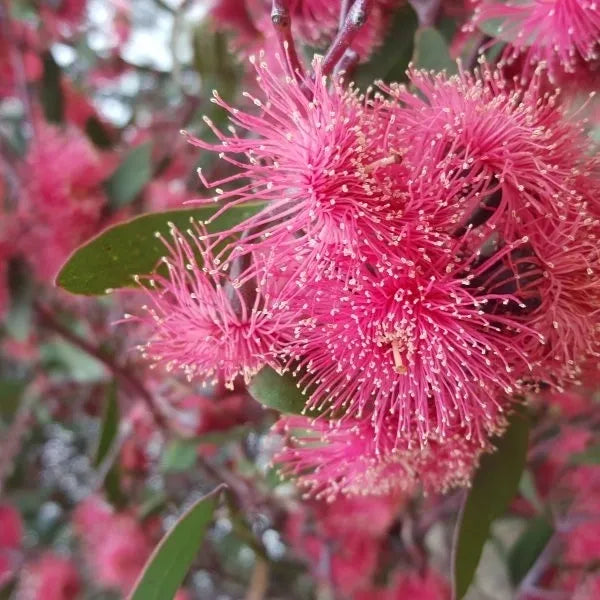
282,21
357,17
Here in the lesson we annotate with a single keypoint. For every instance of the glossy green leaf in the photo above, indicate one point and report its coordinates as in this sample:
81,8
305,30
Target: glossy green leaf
277,391
111,259
166,569
527,548
431,51
130,177
494,485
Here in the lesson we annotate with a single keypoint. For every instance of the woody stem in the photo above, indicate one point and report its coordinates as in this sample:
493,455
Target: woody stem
356,18
282,21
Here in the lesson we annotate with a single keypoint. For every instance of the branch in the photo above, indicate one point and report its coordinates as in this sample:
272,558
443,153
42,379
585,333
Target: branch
47,320
357,17
282,22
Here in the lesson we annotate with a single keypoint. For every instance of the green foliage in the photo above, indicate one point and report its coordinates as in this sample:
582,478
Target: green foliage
277,391
178,456
111,259
431,51
494,485
591,456
130,177
391,60
98,133
11,392
527,548
50,90
167,567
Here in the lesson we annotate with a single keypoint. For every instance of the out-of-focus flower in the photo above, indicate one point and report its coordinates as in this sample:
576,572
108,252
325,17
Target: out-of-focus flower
18,57
562,34
11,534
51,577
62,197
116,545
589,589
351,458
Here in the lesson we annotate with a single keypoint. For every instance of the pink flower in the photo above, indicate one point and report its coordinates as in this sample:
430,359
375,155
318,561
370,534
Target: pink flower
11,534
316,163
582,542
116,545
63,198
413,349
350,458
561,33
202,322
51,577
589,589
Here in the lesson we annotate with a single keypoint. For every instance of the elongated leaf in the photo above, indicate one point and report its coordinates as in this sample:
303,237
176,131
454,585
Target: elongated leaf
528,547
431,51
167,567
277,391
11,391
494,485
51,96
130,176
110,424
111,259
591,456
108,435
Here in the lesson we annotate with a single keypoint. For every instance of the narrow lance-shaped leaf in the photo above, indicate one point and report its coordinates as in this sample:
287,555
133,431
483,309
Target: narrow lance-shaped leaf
130,177
111,259
495,484
166,569
110,424
528,547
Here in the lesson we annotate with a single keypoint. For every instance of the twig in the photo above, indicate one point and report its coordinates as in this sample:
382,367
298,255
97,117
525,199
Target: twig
427,11
259,581
48,320
282,22
357,17
11,443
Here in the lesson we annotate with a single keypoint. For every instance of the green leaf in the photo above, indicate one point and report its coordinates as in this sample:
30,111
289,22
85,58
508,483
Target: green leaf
111,259
11,391
110,424
527,548
591,456
69,363
130,177
391,60
51,95
277,391
496,482
167,567
431,51
528,490
98,133
178,456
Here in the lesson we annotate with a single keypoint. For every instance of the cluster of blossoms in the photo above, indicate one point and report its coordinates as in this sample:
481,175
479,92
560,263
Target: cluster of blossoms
417,259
